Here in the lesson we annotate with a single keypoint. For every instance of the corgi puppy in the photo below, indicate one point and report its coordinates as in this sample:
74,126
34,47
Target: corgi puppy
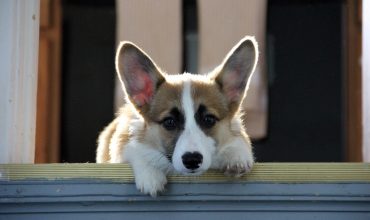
183,123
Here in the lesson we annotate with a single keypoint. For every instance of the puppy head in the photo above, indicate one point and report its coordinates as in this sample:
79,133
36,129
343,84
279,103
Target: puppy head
187,111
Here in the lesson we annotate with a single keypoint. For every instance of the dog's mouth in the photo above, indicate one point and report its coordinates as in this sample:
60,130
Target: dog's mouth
169,157
193,173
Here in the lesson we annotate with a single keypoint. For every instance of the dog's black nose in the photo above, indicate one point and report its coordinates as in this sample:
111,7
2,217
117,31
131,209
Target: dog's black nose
192,160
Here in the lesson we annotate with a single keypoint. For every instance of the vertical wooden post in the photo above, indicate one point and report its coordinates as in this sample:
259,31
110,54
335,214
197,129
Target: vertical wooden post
366,80
353,82
49,83
19,28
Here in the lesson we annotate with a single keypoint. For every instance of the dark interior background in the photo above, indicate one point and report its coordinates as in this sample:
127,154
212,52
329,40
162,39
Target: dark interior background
87,75
305,71
305,47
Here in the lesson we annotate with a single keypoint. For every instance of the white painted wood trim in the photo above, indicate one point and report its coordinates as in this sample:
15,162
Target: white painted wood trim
366,80
19,40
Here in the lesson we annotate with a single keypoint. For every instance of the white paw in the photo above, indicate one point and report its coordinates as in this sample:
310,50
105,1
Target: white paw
236,158
150,181
237,168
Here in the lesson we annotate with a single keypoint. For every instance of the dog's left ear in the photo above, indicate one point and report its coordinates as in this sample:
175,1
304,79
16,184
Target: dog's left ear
234,74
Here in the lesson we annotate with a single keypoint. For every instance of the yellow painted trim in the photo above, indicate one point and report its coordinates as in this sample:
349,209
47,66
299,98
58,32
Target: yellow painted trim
262,172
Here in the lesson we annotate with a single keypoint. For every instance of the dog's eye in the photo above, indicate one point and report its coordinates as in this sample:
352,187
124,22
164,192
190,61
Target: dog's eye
169,123
209,121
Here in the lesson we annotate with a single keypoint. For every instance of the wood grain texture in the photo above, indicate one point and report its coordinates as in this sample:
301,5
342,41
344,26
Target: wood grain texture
19,28
45,13
262,172
107,191
353,80
83,199
49,84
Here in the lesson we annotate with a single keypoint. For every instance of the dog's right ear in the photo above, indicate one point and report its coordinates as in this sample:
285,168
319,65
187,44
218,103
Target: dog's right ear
139,75
234,74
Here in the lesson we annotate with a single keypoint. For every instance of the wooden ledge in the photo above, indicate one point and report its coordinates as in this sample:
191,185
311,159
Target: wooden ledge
262,172
107,191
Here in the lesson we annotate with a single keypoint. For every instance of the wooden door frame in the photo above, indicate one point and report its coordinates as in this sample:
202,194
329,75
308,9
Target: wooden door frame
353,80
49,83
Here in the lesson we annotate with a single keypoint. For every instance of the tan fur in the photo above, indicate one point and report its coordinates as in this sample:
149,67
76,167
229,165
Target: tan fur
121,134
167,97
230,124
210,95
114,137
104,142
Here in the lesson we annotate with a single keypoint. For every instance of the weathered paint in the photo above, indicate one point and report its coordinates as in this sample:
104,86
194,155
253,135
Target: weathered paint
90,191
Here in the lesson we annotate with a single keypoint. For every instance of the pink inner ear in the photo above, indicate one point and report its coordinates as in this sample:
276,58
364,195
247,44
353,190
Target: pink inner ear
141,88
233,94
232,87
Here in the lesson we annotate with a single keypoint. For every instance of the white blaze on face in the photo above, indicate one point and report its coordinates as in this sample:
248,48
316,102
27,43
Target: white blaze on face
192,138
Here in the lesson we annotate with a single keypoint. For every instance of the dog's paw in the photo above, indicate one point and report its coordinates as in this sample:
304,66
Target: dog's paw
237,169
151,182
236,159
